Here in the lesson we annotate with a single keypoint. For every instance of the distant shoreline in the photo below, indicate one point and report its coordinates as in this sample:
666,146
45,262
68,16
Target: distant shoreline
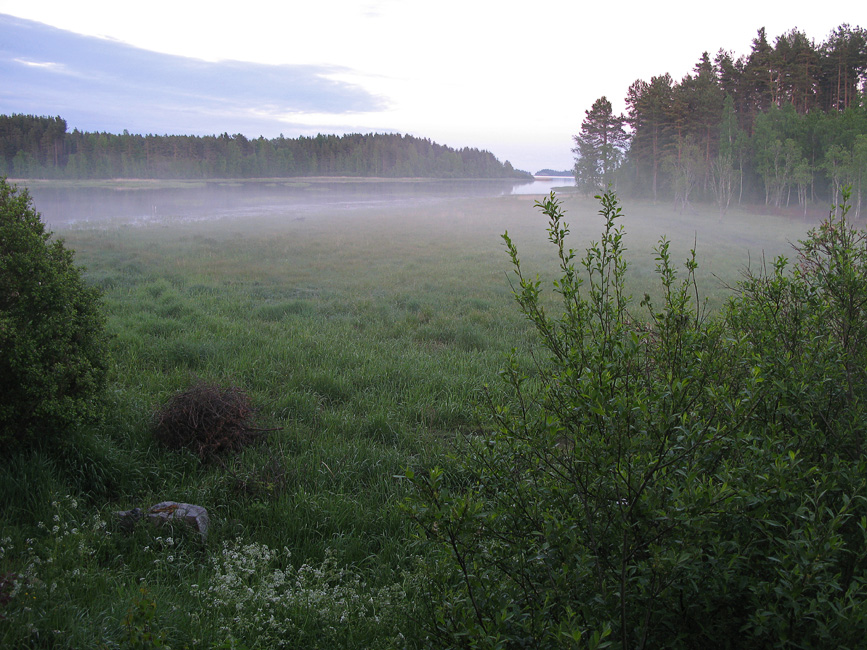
163,183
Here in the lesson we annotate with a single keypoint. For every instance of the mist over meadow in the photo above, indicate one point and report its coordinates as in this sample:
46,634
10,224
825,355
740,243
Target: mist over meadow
416,211
374,391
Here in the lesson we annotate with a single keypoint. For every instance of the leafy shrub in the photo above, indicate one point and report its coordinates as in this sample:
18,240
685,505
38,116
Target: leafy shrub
141,628
52,340
206,419
671,481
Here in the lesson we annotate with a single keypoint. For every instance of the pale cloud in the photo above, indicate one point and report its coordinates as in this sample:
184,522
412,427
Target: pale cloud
47,65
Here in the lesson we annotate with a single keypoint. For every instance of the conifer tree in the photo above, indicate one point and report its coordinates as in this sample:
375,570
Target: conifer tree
599,147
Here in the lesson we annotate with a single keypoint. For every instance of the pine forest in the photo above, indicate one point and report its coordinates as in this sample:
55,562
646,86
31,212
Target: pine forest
785,125
41,147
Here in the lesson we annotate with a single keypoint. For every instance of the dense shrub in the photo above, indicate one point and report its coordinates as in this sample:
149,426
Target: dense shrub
52,342
668,481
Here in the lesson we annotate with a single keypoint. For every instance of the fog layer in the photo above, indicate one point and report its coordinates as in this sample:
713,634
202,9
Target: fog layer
140,202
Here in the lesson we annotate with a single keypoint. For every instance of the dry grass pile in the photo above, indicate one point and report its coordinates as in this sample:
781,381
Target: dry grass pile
208,420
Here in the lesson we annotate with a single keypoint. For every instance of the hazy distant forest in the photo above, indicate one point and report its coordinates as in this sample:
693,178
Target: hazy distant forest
785,124
41,147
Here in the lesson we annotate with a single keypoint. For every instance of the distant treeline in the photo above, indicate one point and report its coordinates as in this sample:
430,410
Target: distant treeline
785,124
41,147
552,172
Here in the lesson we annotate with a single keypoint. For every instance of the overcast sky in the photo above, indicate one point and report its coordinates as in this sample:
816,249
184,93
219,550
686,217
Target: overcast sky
511,77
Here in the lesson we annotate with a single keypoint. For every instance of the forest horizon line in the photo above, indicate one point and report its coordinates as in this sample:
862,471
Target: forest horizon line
42,147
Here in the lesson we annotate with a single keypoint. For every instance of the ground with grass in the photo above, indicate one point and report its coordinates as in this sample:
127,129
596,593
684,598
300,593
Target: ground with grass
364,338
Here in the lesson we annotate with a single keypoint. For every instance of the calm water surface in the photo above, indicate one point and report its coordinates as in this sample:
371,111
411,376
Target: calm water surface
544,185
76,205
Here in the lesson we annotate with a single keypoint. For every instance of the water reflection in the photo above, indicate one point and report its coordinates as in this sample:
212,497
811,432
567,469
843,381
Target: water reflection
544,185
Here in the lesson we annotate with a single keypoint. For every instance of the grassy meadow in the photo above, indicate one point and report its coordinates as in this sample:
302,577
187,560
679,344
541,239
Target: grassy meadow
365,337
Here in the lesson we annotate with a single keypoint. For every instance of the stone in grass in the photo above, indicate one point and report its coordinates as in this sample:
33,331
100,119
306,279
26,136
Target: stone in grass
128,518
169,511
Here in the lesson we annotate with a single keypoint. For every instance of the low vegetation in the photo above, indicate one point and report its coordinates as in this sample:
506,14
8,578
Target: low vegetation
676,480
680,471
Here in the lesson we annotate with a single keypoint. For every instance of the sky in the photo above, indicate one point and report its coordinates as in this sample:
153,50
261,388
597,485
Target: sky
514,78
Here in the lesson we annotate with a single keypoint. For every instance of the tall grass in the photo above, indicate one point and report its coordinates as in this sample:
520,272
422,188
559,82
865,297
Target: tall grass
365,338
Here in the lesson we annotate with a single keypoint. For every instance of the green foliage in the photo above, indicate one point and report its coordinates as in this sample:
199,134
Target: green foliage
62,565
672,481
364,363
798,113
52,343
141,629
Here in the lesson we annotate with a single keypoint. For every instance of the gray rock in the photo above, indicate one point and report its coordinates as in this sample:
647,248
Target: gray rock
128,518
172,511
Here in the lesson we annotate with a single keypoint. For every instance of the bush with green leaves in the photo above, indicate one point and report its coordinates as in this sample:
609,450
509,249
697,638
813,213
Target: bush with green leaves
665,480
52,342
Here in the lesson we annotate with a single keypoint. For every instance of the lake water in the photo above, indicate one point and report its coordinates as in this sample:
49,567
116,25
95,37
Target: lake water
77,205
544,185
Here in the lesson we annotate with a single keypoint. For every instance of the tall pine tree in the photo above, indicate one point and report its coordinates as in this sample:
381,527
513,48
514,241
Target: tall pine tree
599,147
648,105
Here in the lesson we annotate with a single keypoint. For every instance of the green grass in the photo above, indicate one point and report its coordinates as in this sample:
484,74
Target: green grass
364,337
